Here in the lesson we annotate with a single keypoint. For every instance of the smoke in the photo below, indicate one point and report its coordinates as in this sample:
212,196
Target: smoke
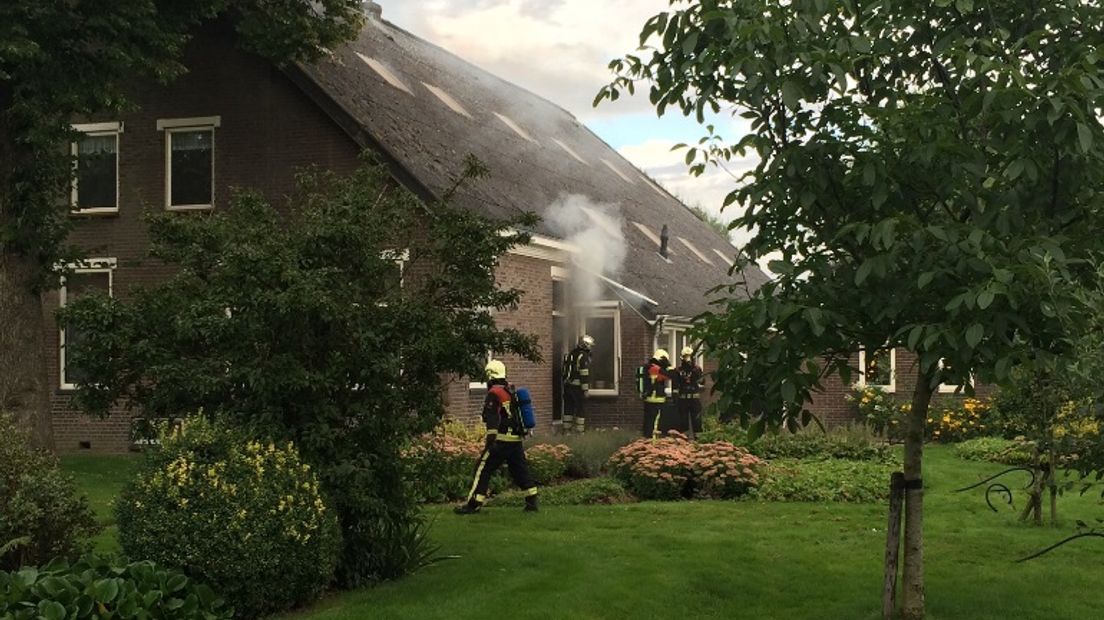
596,229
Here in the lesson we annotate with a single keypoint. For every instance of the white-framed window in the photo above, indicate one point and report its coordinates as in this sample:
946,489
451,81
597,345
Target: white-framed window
951,388
87,277
673,338
878,369
95,187
189,162
603,323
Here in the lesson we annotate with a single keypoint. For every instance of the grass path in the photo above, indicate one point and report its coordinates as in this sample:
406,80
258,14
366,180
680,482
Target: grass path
765,561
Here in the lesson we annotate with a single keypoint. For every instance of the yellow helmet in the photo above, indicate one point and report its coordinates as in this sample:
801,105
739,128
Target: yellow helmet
661,354
688,351
495,370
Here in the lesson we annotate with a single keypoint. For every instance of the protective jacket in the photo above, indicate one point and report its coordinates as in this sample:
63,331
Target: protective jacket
689,380
500,414
655,388
576,368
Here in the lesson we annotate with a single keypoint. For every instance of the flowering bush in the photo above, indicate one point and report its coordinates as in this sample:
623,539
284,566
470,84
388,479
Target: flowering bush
875,408
673,467
441,464
957,421
243,516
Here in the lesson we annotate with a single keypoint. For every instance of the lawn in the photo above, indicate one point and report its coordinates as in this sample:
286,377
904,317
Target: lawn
727,560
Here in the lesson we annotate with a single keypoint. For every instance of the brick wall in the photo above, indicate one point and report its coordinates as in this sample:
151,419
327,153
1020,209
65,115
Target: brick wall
833,409
268,131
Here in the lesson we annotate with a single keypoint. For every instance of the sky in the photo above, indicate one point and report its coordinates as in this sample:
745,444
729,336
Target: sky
560,49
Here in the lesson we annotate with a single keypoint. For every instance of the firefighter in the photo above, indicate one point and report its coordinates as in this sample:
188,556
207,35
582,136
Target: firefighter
654,390
689,380
503,444
576,384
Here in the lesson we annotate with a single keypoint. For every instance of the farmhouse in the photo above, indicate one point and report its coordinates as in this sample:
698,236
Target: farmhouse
615,256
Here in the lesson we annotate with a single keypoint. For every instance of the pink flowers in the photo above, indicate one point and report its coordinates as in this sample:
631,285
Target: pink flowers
675,467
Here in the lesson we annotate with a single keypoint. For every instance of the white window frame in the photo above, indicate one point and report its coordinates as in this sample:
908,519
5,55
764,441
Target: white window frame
605,310
892,386
94,130
180,125
671,331
951,388
88,265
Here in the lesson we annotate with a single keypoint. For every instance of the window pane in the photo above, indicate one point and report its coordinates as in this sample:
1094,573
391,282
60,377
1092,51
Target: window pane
879,368
559,302
96,172
603,362
78,285
192,157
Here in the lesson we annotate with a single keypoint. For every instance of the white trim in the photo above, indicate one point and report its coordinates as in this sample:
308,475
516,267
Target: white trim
672,331
951,388
194,122
85,265
94,129
690,246
605,310
892,386
542,247
560,273
169,131
109,127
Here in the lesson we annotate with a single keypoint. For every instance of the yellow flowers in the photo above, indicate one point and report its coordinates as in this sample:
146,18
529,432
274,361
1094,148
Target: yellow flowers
956,421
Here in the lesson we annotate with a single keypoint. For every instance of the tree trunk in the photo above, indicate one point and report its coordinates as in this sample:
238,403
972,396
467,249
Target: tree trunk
912,578
24,389
1052,470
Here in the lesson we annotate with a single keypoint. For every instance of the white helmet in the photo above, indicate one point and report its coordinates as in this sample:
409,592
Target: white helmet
688,351
586,342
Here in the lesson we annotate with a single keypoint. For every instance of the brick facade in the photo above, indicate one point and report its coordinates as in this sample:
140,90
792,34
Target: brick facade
268,131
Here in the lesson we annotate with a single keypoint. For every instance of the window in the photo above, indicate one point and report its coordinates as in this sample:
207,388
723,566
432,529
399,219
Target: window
603,323
878,369
96,168
674,338
189,162
950,388
89,277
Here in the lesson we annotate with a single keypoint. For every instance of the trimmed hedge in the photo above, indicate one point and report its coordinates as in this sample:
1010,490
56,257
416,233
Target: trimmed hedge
41,514
245,517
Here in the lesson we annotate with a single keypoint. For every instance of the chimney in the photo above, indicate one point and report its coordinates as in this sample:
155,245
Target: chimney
372,9
663,241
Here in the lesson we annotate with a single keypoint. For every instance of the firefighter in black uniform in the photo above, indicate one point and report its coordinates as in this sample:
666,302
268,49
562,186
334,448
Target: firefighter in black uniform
689,380
576,384
504,434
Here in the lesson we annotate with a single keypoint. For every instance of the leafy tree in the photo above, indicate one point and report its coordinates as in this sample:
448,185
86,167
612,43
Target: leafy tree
926,170
63,60
331,326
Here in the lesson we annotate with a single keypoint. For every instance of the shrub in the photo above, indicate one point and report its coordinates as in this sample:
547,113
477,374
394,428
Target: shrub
41,515
996,450
547,462
715,430
876,409
245,517
788,480
96,587
674,468
588,491
440,466
957,421
853,442
591,450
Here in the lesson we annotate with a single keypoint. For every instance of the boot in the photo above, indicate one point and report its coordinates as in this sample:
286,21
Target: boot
531,504
471,507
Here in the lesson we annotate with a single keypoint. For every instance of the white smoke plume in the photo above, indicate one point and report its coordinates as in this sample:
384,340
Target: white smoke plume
596,230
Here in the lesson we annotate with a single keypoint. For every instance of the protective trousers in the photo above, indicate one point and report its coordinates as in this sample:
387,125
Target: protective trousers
574,417
690,413
512,453
652,413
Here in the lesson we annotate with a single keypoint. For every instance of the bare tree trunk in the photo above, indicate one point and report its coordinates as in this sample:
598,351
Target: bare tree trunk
912,578
24,390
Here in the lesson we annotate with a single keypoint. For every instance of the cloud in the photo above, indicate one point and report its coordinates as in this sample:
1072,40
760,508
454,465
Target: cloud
558,49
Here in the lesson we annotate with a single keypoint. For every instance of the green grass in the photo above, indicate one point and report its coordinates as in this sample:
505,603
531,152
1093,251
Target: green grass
740,560
101,478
